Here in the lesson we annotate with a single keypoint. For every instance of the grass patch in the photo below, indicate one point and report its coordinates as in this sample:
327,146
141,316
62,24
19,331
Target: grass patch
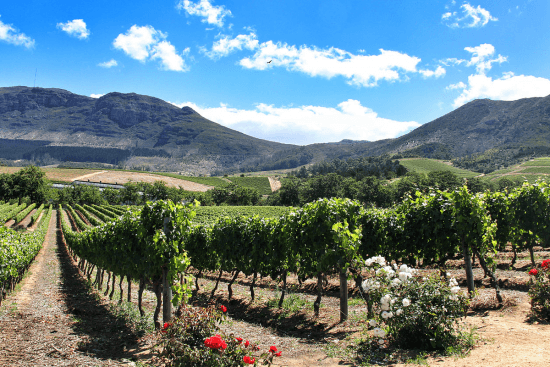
426,165
259,183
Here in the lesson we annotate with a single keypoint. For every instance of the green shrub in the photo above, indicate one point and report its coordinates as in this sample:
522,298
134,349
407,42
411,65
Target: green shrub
414,313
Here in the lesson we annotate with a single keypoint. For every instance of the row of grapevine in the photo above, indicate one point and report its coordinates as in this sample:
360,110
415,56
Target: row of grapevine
107,211
36,214
22,214
329,236
80,224
18,250
94,221
11,212
137,245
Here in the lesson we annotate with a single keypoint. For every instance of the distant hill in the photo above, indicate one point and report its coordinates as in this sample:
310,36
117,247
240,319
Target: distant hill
135,131
54,124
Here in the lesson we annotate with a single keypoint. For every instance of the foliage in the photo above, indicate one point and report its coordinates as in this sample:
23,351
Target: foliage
18,250
28,182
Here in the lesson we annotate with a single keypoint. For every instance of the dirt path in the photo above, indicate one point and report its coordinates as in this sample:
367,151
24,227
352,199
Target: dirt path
274,183
53,320
84,177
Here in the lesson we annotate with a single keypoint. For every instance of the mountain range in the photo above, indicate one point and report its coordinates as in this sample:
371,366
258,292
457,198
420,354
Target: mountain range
48,125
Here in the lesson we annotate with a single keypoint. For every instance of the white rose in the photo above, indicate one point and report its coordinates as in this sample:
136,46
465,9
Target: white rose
406,302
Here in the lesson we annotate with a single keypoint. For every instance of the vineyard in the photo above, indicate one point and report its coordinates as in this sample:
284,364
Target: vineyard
181,252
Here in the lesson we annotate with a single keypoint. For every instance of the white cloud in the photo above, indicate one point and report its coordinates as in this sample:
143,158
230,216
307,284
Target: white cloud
108,64
96,95
509,87
439,72
226,45
307,124
170,59
75,28
359,70
469,17
459,85
143,43
483,56
211,14
11,35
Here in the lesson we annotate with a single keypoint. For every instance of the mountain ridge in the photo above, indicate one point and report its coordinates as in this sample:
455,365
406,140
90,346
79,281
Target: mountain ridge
50,124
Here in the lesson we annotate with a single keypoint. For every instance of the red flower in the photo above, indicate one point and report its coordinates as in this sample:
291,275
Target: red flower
215,342
533,272
223,308
273,349
546,264
240,340
246,344
166,326
278,354
249,360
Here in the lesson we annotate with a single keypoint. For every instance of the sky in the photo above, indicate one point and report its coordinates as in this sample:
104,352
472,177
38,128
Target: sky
296,72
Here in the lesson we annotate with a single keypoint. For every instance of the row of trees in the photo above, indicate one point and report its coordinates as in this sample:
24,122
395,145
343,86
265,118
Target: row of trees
375,191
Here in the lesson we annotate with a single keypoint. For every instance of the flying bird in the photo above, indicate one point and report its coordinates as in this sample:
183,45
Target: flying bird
269,62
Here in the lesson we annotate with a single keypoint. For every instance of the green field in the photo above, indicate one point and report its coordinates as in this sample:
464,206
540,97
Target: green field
210,214
259,183
539,170
538,162
426,165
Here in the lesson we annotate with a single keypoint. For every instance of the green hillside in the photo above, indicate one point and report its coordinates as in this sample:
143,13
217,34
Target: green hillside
427,165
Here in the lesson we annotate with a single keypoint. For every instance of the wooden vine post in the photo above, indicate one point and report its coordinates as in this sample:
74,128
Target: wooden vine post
343,295
166,286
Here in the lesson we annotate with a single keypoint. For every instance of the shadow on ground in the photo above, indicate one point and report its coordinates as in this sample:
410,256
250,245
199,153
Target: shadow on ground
105,335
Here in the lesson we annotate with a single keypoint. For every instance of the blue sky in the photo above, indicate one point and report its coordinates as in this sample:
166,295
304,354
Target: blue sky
298,72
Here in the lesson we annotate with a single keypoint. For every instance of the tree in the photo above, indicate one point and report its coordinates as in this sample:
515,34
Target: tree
30,182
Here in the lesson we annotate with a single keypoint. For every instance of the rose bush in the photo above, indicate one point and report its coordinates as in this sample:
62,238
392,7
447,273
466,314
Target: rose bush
413,312
194,339
539,290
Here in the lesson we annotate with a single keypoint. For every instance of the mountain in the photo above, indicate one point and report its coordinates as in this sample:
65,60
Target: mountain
137,131
39,123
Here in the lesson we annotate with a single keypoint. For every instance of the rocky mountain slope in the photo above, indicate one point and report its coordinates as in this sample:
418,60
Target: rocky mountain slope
140,131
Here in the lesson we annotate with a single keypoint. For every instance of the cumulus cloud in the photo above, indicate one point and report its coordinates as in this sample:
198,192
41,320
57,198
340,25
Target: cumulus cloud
211,14
509,87
225,45
359,70
75,28
307,124
96,95
147,43
9,34
467,17
108,64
